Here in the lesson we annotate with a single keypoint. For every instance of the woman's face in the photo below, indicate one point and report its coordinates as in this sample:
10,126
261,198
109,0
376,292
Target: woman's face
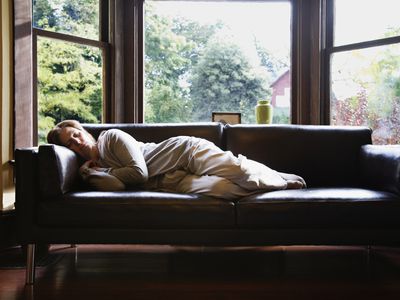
79,142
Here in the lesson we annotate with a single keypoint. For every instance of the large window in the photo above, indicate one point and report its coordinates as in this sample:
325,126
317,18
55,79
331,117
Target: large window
68,62
163,61
208,56
364,53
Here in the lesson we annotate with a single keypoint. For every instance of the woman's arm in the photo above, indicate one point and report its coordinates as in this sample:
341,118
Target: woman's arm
131,167
99,178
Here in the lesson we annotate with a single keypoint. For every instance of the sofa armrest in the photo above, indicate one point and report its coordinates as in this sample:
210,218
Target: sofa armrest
26,161
380,167
58,170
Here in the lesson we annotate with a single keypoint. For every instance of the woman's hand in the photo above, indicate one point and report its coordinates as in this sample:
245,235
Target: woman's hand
99,178
87,165
92,165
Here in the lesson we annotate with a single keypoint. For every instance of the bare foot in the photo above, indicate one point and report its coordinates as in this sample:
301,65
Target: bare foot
294,184
293,178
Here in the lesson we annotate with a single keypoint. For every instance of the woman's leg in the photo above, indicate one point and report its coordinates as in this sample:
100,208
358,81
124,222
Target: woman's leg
207,159
201,157
210,185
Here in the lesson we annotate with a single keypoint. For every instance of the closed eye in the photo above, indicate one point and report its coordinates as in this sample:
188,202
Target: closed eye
68,144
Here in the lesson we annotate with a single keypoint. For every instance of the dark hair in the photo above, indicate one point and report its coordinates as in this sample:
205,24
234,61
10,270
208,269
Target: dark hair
53,137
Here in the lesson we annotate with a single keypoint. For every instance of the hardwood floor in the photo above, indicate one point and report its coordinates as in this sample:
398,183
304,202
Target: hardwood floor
167,272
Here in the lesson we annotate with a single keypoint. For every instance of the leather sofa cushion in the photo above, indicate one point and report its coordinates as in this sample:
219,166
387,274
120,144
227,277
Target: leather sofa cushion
58,170
158,132
318,208
134,209
322,155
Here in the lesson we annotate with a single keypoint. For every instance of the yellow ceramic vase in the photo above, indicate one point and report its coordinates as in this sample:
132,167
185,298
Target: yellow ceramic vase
264,112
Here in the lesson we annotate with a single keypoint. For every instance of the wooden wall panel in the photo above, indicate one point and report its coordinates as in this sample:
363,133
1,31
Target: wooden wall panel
23,95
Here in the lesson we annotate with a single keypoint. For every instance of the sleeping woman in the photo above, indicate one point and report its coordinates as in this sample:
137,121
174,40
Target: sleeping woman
184,164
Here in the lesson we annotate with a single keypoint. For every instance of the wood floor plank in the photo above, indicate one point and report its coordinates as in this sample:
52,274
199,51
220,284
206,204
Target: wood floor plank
190,273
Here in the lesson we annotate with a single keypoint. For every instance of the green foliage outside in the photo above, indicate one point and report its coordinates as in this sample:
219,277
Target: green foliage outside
274,66
377,103
167,59
223,80
69,75
191,70
75,17
281,115
188,71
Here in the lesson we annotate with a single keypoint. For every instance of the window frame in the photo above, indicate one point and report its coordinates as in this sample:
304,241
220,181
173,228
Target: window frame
293,113
122,38
306,64
30,137
330,49
307,61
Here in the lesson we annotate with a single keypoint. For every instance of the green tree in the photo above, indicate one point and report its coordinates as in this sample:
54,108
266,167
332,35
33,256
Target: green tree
198,34
43,14
69,83
165,104
377,102
69,75
273,65
76,17
172,47
80,18
384,95
224,80
165,65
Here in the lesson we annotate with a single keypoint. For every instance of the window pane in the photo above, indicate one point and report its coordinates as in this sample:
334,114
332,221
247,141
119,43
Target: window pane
358,21
202,57
366,91
69,84
74,17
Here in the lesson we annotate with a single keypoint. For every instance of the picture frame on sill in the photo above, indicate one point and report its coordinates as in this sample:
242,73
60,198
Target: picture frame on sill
227,117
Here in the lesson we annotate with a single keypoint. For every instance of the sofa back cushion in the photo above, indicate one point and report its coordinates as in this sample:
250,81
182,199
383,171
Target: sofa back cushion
323,155
58,170
159,132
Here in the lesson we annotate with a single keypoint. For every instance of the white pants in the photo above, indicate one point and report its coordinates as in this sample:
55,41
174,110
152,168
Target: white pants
194,165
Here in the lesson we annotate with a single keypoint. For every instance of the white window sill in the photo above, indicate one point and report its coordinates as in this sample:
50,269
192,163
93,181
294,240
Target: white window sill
8,200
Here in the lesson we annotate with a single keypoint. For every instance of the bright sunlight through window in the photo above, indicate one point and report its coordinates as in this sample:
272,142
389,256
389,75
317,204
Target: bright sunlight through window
365,80
202,57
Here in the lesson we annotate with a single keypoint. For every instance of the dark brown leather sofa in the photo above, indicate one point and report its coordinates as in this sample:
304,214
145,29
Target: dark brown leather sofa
352,198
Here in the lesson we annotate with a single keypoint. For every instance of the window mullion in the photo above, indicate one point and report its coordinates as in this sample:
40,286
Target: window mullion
69,38
139,61
104,25
306,75
364,45
327,44
35,96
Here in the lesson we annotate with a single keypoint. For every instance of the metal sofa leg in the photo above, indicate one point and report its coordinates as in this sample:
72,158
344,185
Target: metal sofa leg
368,262
30,264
